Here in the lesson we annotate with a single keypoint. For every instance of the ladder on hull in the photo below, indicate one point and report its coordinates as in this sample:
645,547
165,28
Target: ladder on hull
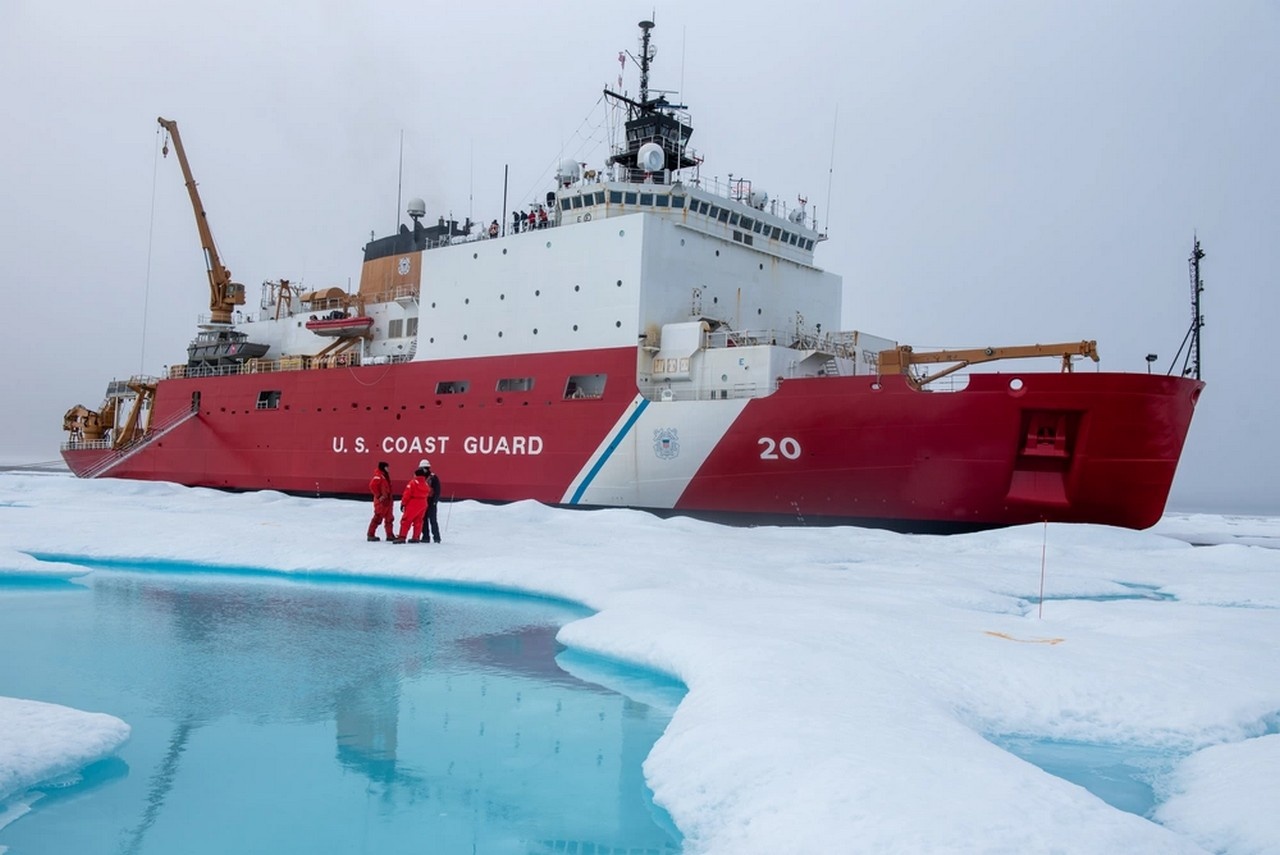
120,455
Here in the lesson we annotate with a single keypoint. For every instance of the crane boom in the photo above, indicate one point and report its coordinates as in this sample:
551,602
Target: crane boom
224,294
900,359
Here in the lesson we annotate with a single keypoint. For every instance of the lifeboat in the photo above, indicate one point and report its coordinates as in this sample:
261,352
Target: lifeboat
338,325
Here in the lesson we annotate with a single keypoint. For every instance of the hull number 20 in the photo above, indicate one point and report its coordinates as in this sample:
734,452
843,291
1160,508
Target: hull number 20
770,449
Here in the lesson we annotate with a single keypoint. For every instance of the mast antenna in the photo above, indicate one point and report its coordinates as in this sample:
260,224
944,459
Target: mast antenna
646,54
1191,365
399,183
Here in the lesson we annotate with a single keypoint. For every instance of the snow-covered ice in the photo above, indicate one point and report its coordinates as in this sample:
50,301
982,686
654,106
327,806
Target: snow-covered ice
842,682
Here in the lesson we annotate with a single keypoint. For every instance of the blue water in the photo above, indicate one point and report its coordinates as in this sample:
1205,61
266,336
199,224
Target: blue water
276,716
1123,776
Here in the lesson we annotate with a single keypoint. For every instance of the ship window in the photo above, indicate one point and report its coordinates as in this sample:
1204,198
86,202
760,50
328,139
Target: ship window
580,386
748,224
748,240
677,201
599,197
269,400
615,196
704,207
564,204
410,326
646,198
629,198
777,232
808,244
733,219
515,384
721,214
662,201
452,387
737,237
395,329
577,201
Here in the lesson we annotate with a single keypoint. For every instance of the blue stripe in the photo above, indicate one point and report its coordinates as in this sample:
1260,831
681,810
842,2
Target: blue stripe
617,440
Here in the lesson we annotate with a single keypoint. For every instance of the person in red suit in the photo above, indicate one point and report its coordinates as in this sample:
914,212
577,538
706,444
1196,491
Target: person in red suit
413,507
383,512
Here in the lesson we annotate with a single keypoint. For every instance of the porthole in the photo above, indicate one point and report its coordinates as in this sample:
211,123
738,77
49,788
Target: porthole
575,327
577,288
466,302
535,330
622,232
717,253
433,305
431,340
475,255
618,324
762,265
1016,384
548,244
504,250
537,293
724,378
464,336
619,283
682,241
759,311
499,333
715,300
502,296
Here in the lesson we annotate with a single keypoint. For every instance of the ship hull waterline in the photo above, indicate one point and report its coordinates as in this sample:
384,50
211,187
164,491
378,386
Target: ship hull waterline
1007,449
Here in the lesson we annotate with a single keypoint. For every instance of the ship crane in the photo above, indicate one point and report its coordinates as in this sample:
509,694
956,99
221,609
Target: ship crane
224,295
900,359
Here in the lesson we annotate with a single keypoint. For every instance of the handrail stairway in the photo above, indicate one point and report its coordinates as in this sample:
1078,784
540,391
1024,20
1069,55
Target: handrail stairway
120,455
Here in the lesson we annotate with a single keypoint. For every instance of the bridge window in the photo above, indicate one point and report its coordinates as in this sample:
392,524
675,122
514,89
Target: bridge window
646,199
615,197
629,198
269,400
564,204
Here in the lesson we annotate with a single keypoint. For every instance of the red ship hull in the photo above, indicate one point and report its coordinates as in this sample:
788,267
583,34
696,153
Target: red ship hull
1076,447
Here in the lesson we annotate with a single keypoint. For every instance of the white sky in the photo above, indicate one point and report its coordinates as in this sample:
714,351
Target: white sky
840,680
1004,172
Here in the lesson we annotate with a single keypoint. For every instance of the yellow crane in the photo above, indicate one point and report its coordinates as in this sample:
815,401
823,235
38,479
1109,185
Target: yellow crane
900,359
224,295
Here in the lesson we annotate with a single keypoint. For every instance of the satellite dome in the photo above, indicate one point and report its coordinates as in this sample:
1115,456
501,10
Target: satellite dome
417,208
567,173
758,199
651,157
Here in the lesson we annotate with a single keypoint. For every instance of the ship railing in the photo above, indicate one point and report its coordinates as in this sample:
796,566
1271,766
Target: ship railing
348,359
837,344
732,391
86,445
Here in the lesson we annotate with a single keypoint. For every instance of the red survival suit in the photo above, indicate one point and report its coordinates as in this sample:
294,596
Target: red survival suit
383,512
413,507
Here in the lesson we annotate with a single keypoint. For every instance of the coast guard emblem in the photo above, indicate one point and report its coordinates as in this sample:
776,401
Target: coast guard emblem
666,443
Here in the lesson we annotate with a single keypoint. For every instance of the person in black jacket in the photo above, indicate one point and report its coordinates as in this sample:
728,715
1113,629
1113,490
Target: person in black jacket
431,528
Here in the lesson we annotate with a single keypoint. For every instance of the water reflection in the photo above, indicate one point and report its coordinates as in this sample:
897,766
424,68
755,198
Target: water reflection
449,708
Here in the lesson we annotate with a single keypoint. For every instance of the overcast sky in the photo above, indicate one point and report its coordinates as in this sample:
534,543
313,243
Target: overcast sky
1004,172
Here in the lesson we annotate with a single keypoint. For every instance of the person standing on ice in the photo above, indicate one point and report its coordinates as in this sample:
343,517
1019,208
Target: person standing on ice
383,511
431,527
413,507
